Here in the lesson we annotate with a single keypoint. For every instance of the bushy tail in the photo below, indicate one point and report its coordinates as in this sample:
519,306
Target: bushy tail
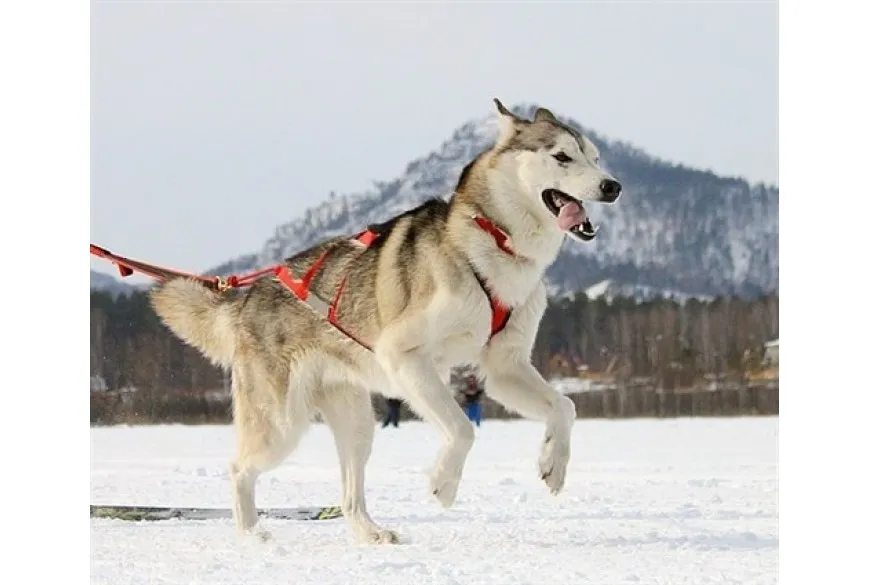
200,316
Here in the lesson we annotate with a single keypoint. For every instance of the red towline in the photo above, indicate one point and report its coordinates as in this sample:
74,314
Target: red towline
301,287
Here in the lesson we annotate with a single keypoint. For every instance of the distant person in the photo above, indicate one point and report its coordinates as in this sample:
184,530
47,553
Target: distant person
471,393
392,418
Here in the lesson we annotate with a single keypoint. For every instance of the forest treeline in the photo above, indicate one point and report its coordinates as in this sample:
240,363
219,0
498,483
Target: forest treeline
723,336
145,373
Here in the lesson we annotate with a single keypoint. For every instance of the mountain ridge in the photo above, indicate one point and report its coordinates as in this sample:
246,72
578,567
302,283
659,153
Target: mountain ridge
676,228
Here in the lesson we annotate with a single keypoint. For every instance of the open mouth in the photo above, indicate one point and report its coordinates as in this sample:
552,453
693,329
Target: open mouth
569,213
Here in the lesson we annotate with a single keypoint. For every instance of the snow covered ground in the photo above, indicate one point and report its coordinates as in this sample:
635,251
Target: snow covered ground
688,501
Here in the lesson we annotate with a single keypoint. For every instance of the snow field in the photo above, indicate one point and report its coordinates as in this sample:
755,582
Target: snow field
689,501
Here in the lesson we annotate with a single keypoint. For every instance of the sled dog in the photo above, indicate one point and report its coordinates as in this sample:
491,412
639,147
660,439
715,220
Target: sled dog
391,311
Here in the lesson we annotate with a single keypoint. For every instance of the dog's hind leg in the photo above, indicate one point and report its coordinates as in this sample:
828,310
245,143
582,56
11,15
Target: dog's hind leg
348,412
266,435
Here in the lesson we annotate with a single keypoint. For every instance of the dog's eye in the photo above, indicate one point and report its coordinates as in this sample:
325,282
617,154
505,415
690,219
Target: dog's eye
562,157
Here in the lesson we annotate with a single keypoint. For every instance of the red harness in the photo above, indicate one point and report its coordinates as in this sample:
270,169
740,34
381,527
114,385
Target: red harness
301,287
500,312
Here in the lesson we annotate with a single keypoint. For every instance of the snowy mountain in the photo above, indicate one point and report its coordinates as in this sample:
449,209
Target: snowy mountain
673,229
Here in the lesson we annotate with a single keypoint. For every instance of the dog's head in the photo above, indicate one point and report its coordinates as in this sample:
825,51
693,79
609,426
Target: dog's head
556,167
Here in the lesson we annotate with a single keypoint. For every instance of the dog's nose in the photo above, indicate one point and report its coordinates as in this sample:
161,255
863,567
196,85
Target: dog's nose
610,189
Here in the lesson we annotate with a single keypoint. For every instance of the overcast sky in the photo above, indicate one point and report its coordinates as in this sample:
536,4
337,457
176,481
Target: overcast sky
213,122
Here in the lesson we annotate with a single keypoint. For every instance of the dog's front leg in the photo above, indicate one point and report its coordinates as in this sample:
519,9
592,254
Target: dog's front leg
514,382
412,373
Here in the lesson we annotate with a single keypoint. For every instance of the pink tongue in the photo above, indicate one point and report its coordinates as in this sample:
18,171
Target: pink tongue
571,215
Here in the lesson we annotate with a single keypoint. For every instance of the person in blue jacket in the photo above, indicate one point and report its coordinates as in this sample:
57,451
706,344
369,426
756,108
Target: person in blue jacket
471,394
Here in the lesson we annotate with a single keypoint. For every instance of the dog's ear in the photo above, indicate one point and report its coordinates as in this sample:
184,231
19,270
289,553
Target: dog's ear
544,115
507,123
503,110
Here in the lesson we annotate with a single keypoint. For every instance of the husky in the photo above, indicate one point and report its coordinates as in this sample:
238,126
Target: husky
454,281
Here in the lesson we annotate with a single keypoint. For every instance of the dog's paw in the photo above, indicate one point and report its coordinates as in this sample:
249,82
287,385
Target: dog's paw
444,488
376,535
258,534
553,463
385,536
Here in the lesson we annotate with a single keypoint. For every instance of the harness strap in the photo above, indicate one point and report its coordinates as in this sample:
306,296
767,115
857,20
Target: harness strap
501,313
302,287
329,310
502,240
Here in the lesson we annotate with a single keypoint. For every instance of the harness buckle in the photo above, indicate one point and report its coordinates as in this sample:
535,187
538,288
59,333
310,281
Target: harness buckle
221,284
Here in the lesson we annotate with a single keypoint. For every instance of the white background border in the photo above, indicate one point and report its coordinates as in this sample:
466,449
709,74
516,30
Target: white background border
44,181
824,406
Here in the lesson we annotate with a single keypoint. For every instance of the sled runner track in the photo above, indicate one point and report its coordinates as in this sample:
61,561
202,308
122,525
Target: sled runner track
152,514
